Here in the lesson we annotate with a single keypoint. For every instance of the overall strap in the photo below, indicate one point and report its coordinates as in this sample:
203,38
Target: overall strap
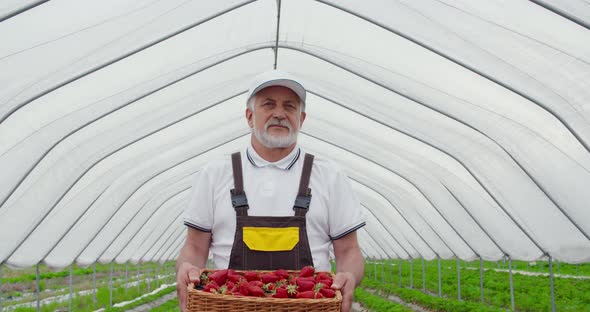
304,194
238,196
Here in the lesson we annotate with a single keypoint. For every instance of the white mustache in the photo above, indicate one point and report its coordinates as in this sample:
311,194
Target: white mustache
278,122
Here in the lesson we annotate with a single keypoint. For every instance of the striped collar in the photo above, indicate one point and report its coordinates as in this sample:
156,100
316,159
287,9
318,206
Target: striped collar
286,163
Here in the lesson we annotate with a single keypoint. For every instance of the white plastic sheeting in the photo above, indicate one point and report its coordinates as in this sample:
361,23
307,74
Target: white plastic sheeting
463,126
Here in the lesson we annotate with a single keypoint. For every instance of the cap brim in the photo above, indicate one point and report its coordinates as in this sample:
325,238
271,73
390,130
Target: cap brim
287,83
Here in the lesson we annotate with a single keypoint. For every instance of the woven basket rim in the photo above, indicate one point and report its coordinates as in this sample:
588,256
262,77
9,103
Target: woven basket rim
337,298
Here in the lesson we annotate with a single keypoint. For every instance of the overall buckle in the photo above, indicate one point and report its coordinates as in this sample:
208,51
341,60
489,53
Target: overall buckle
239,200
302,201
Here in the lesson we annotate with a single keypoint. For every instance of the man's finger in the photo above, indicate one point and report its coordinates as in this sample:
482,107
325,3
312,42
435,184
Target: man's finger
181,292
339,281
194,275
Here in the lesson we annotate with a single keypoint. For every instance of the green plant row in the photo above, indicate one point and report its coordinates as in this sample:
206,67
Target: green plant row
143,300
53,290
377,303
86,303
428,301
531,293
29,275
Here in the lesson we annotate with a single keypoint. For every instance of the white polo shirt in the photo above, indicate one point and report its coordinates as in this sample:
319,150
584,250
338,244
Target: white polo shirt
271,189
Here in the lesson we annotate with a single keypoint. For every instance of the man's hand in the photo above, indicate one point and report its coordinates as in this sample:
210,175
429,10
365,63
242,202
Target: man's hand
346,283
192,257
350,268
187,273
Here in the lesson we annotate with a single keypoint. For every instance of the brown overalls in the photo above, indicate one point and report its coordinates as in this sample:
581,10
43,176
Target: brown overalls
270,243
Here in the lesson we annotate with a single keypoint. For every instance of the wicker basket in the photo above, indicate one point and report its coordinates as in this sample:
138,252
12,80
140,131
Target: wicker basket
199,300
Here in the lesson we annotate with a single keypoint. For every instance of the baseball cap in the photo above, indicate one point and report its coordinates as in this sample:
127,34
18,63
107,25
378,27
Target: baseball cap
277,78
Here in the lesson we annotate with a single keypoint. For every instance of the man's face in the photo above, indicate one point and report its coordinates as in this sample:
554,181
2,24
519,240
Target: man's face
276,118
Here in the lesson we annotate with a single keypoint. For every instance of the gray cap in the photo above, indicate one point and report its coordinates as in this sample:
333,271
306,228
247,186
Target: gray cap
277,78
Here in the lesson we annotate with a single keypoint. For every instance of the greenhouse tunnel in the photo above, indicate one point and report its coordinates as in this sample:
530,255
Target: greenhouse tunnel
463,126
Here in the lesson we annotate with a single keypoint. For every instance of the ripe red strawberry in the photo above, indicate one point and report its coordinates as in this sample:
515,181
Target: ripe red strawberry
327,282
219,276
283,274
306,295
280,293
307,271
255,291
235,278
243,287
256,283
230,284
328,293
306,278
305,285
322,275
269,278
211,287
252,276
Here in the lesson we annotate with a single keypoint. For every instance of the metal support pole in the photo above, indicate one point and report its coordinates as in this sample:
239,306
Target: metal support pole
400,272
111,286
126,276
576,269
71,285
411,273
157,280
137,266
558,267
458,279
374,270
551,284
439,280
423,277
94,283
0,287
38,290
511,284
481,277
147,278
390,271
383,271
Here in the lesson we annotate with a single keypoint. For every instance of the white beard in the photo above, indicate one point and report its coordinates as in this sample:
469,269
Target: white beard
272,141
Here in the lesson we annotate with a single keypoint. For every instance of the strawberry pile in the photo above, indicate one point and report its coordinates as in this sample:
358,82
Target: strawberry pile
307,284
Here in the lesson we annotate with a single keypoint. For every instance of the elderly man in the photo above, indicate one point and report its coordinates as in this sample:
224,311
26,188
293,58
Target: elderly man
273,206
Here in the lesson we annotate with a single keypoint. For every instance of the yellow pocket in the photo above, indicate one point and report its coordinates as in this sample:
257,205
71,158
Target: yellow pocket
271,239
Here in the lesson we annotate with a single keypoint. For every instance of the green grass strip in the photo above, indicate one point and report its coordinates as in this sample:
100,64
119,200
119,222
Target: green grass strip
377,303
86,303
531,293
168,306
143,300
427,301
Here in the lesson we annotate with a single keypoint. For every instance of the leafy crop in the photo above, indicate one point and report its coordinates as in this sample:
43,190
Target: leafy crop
377,303
531,293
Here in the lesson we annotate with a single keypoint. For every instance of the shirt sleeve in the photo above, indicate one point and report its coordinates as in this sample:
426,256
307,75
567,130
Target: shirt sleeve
346,212
198,214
